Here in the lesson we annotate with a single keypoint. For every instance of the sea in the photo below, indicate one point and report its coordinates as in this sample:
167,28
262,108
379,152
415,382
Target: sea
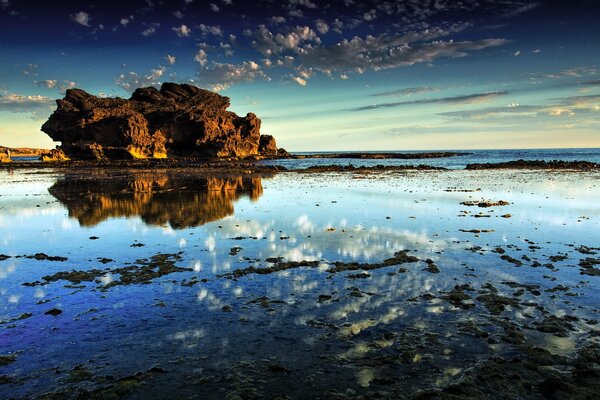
456,162
158,283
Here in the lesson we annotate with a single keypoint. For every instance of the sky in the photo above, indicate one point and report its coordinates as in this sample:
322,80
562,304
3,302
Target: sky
322,75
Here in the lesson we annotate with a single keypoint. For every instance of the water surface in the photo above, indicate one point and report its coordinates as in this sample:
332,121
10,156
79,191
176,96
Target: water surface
244,286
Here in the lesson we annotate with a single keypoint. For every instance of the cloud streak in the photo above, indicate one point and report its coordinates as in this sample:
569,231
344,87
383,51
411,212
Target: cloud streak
463,99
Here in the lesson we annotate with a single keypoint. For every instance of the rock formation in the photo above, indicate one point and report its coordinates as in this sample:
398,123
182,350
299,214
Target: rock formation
177,120
5,154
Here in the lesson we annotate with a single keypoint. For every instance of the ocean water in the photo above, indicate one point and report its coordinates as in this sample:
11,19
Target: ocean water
177,284
457,162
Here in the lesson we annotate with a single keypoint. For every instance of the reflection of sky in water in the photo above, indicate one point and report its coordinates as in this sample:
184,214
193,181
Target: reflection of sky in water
326,217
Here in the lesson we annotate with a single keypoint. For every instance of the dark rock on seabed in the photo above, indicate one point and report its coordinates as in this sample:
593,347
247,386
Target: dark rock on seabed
538,164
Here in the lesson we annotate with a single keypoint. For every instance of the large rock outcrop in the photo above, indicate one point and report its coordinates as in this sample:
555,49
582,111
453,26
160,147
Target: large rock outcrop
177,120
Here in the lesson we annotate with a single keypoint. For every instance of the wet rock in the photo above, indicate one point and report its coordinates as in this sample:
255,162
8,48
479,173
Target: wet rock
149,269
533,289
45,257
178,119
234,250
587,266
511,260
400,257
458,298
431,267
54,312
537,164
587,250
7,359
278,369
556,325
476,230
280,266
496,303
537,374
485,203
4,257
323,298
470,327
557,258
362,275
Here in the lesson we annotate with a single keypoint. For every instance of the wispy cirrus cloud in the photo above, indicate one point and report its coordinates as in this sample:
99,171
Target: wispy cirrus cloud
559,107
462,99
410,91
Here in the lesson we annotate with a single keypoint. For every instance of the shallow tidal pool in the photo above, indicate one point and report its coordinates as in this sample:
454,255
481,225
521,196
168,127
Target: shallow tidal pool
413,284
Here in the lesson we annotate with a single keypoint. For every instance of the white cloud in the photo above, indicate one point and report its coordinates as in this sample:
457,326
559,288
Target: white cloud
170,59
133,80
201,58
517,53
299,81
278,20
220,76
304,3
67,85
31,70
213,7
182,31
48,83
370,16
210,29
81,18
18,103
124,21
321,26
178,14
151,29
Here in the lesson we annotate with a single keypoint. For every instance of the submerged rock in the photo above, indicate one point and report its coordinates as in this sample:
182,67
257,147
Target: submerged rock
177,120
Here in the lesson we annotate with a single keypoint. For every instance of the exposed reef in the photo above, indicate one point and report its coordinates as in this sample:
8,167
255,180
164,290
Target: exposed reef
538,164
381,156
177,120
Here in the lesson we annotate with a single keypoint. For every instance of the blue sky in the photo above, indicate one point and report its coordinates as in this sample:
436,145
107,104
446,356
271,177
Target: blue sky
323,75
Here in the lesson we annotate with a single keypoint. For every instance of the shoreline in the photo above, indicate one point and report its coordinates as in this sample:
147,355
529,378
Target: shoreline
255,166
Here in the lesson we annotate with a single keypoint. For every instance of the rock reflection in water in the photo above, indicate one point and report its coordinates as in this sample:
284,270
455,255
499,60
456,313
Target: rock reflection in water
159,198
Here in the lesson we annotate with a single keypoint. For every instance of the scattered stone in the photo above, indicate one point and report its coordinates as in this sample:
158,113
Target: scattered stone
54,312
511,260
45,257
234,250
7,359
485,203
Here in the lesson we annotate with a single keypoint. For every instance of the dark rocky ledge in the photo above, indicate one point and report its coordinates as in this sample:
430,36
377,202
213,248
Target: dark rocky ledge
538,164
379,156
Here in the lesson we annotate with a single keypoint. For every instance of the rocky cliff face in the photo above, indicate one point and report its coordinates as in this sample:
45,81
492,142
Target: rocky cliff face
177,120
